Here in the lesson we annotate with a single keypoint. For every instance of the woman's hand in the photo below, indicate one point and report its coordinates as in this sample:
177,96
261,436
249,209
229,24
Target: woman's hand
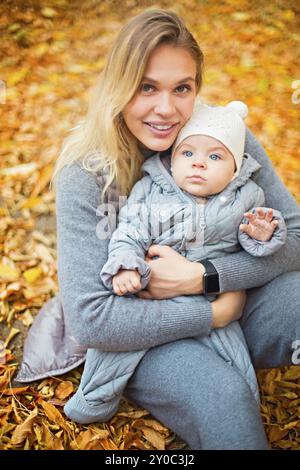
227,308
171,274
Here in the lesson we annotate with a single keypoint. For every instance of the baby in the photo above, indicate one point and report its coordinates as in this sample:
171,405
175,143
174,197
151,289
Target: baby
209,168
201,204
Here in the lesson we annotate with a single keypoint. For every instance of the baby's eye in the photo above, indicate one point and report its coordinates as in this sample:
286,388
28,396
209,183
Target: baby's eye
187,153
214,156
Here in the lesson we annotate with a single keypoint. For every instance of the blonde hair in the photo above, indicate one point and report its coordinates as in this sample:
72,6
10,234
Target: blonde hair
102,140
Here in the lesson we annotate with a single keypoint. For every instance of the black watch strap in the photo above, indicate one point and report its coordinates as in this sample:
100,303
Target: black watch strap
210,278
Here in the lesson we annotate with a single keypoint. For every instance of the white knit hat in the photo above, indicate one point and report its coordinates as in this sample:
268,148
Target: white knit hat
224,123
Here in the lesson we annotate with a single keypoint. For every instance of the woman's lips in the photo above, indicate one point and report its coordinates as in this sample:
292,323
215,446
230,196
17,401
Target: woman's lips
161,132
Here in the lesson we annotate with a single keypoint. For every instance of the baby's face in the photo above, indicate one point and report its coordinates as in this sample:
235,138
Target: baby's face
202,166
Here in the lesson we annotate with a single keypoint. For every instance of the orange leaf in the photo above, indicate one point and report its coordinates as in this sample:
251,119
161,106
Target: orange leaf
23,430
64,389
53,414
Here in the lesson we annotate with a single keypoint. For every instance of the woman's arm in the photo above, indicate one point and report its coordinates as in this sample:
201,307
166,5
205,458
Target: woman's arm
243,271
98,318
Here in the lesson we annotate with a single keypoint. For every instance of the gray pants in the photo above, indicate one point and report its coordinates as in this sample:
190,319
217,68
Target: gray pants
189,388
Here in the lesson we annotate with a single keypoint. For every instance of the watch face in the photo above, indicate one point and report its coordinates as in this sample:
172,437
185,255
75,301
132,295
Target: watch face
211,283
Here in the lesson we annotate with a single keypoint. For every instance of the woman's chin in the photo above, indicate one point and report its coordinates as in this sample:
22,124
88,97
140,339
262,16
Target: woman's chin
158,146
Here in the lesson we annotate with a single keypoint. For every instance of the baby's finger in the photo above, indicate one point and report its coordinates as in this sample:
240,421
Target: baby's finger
246,229
260,212
122,289
117,290
274,223
130,289
269,215
250,216
136,283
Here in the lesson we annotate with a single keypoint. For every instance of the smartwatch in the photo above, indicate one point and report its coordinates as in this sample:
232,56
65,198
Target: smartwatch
210,278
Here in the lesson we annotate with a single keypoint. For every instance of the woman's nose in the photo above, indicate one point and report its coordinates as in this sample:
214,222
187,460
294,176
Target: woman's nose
165,105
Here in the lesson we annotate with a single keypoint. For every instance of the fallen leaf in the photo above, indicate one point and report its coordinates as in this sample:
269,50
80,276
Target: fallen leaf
8,273
54,415
13,332
32,275
154,437
19,171
64,389
23,430
15,391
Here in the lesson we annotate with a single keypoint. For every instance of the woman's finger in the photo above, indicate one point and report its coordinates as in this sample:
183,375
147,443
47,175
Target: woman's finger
144,294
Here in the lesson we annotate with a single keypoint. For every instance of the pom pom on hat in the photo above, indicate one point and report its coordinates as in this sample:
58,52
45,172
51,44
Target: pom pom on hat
239,107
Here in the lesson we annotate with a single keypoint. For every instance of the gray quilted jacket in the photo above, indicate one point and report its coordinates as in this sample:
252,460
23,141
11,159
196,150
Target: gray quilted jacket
158,212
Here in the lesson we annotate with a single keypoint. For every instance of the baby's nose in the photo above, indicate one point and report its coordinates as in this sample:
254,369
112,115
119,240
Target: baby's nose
199,163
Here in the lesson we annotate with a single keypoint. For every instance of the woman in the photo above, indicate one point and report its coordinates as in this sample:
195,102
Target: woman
145,95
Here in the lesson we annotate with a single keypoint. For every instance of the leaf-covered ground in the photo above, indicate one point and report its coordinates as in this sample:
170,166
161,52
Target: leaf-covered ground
51,53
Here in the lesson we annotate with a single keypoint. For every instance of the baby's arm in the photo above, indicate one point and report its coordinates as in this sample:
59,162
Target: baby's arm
128,245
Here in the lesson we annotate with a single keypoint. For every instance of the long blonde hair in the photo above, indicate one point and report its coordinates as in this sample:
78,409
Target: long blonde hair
103,140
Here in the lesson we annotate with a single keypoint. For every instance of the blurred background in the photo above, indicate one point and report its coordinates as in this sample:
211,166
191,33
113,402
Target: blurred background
51,53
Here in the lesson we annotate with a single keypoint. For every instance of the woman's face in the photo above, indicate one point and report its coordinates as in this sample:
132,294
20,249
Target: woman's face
165,100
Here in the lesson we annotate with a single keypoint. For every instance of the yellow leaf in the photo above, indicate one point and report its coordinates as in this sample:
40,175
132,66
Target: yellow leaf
23,170
13,332
31,275
276,434
154,437
31,202
7,273
40,49
293,373
83,440
64,389
288,15
44,178
16,77
54,415
23,430
241,16
48,12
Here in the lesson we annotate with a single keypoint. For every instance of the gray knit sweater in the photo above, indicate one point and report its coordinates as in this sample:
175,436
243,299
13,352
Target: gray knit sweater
99,319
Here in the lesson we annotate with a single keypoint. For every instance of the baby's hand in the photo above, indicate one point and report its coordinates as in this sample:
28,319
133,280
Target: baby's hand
126,281
260,226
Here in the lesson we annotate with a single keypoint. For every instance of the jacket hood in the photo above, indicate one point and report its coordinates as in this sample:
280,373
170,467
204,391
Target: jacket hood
158,168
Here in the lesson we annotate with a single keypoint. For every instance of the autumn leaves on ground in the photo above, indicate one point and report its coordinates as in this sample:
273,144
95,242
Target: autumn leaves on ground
51,53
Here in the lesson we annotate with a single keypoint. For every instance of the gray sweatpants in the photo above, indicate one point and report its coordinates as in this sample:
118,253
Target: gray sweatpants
192,390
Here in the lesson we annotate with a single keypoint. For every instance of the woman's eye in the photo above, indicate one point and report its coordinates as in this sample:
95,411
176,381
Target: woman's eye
183,89
146,87
187,153
214,156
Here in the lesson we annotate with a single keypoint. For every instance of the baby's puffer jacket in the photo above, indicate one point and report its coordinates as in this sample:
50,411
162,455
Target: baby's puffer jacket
159,212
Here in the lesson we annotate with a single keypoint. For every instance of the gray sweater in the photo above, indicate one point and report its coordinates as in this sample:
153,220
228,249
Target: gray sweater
99,319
